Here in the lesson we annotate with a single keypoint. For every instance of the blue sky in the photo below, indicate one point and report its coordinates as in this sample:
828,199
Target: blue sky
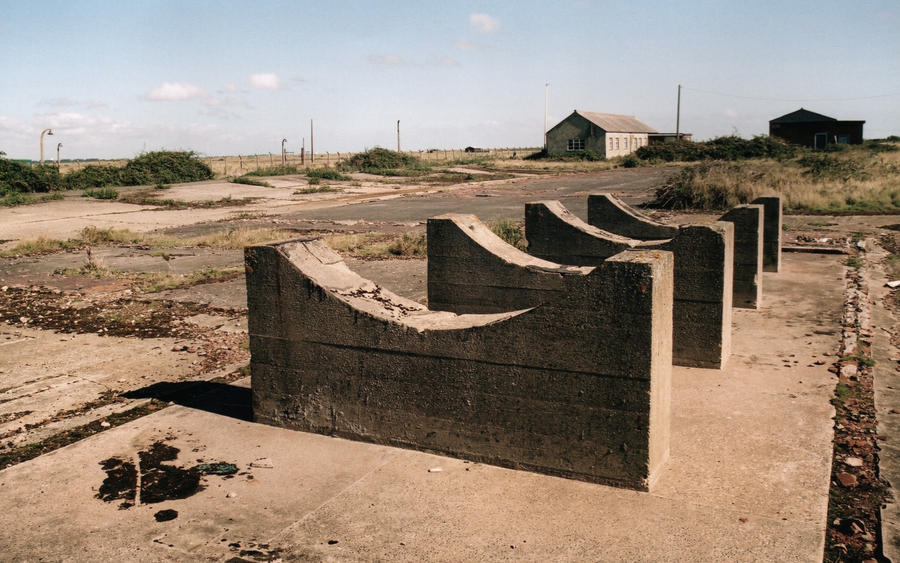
116,78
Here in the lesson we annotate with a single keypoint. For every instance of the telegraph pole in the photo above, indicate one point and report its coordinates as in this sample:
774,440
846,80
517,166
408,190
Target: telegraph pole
398,135
312,149
546,106
678,116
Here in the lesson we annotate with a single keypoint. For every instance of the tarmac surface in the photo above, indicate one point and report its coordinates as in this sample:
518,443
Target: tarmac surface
747,479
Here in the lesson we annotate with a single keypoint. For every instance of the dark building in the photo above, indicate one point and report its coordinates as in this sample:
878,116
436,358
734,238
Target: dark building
810,129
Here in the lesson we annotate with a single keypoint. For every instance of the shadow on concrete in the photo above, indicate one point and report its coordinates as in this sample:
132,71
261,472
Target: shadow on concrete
218,398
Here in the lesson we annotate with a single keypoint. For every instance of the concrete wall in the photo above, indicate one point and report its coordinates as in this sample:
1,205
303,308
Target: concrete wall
748,254
703,273
611,214
577,387
771,232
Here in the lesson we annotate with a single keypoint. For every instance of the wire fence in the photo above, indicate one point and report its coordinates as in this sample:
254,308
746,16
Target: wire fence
226,166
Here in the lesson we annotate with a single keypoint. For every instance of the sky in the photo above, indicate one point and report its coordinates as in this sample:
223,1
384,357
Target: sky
114,79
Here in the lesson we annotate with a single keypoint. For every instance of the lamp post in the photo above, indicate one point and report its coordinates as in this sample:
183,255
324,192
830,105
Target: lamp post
58,146
44,132
283,141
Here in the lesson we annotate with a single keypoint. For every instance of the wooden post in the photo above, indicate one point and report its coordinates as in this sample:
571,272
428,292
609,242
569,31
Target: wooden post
241,159
271,164
225,165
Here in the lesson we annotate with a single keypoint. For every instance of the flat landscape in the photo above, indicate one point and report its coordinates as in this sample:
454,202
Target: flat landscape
124,337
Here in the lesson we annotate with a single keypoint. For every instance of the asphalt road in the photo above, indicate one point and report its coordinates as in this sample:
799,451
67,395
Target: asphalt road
504,200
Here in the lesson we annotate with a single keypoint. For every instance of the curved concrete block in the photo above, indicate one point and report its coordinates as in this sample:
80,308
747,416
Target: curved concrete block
701,323
771,232
577,387
610,213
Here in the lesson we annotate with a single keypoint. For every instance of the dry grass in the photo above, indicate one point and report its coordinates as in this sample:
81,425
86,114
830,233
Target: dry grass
378,245
856,180
233,239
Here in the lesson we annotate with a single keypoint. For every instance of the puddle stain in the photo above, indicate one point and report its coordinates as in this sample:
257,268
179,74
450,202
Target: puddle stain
159,481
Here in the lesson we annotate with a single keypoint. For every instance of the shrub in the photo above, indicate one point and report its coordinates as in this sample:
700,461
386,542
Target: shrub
165,167
274,171
101,193
15,177
326,174
93,176
384,161
631,161
250,181
510,231
720,148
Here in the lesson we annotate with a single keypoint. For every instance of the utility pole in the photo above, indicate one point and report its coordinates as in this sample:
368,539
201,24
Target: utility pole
398,135
303,151
678,116
546,106
312,147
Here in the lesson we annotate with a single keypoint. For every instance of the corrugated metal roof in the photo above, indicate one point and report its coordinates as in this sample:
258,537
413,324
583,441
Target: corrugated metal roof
616,123
802,116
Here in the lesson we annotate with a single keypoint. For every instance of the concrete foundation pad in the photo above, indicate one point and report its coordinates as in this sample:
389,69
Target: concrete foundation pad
747,478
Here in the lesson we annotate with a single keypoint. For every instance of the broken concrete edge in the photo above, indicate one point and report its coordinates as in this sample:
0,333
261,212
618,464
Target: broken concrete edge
331,355
748,254
606,211
703,273
772,220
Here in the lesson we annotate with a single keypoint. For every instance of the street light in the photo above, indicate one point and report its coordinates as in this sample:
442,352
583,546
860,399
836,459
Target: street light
47,132
283,154
58,146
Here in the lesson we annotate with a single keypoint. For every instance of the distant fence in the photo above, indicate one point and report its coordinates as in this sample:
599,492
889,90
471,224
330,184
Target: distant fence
242,164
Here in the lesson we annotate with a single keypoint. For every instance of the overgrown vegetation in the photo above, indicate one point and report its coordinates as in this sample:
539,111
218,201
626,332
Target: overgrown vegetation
250,181
379,245
327,174
158,167
570,156
274,171
101,193
386,163
858,179
314,190
721,148
513,232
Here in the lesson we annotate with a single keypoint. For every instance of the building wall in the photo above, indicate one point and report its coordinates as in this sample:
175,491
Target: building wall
804,133
595,139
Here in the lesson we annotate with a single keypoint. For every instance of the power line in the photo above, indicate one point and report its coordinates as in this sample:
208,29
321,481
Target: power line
790,99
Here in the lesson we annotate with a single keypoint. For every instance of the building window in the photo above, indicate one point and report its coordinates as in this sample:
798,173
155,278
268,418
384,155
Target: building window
617,143
575,145
610,143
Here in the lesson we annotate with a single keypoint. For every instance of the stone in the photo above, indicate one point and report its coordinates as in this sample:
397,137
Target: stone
556,388
853,462
263,463
846,479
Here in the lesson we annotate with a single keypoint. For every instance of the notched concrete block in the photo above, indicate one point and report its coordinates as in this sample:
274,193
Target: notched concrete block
576,386
702,271
748,254
771,232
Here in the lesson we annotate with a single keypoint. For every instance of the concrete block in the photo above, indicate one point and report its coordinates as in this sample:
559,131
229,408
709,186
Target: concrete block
771,232
608,212
702,273
576,386
748,254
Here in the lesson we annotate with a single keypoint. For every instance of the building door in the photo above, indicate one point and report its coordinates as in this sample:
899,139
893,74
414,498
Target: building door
821,140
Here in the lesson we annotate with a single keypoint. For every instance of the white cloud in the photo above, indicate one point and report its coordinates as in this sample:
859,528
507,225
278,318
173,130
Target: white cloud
265,81
447,61
175,91
483,23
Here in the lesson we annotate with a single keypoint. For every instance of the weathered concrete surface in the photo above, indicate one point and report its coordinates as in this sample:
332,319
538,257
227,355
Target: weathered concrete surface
701,333
771,232
562,388
748,254
747,479
609,213
472,270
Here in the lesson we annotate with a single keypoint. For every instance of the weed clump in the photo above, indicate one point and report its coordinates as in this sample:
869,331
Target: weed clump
101,193
385,162
326,174
511,232
250,181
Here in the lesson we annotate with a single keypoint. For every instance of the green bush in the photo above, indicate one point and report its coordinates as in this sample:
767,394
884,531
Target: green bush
720,148
569,156
386,162
326,174
101,193
93,176
16,177
250,181
168,167
631,161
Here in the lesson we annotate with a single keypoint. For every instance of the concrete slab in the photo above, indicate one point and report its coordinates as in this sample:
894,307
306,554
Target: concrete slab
747,479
